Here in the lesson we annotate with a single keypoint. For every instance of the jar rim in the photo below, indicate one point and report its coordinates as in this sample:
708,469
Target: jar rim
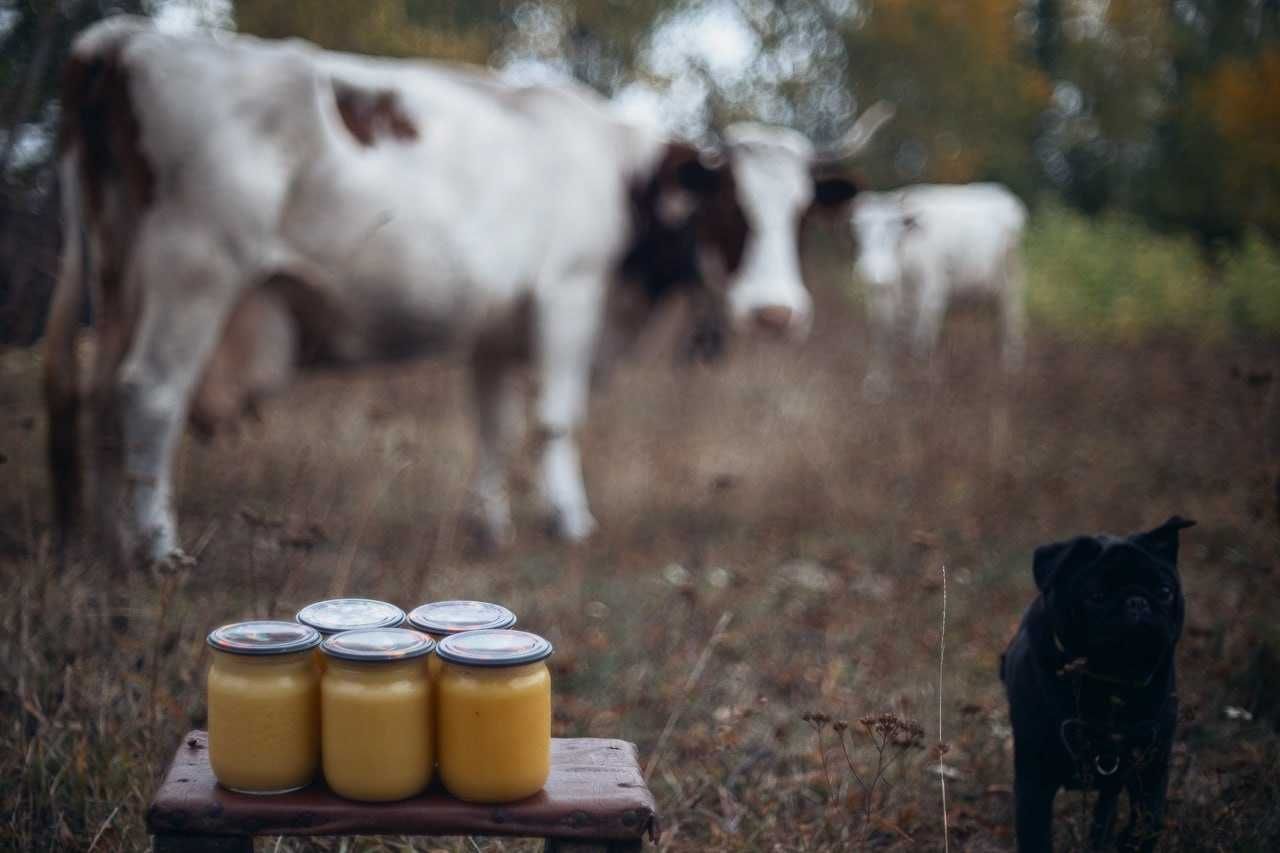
496,647
261,637
315,614
443,618
378,645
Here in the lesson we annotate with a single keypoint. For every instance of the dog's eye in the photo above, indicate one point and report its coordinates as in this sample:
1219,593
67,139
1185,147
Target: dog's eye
1166,594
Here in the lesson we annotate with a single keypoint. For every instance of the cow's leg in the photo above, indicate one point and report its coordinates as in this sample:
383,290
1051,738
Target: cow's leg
567,326
187,284
882,312
931,308
499,419
1013,313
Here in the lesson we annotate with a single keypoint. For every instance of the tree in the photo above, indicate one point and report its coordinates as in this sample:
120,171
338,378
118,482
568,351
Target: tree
1214,172
967,91
1111,67
382,27
33,49
1241,99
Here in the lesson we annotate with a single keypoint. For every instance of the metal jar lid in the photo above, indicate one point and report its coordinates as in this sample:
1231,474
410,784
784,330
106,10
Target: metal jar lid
498,647
441,618
378,645
348,614
264,637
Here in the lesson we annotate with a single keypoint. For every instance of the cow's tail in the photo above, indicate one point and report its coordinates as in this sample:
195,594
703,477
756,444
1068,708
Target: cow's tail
61,365
89,150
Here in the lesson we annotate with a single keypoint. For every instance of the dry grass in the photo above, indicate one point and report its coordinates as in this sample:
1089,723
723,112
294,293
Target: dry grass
765,488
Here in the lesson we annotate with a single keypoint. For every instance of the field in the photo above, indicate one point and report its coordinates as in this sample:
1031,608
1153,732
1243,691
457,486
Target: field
758,517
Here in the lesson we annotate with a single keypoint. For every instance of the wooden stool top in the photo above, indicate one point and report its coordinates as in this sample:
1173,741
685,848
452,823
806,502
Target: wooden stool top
595,792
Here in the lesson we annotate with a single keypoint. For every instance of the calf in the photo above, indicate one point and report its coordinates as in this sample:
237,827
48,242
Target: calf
919,246
237,208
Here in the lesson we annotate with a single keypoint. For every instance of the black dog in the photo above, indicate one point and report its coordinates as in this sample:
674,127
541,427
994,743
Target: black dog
1090,680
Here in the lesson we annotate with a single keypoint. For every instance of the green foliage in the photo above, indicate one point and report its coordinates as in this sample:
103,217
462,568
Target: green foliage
1113,278
1251,277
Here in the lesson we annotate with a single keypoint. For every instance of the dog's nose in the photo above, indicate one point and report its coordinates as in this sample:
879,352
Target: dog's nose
1137,607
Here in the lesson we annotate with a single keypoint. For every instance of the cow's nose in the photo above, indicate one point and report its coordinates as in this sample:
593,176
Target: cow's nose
773,318
1137,607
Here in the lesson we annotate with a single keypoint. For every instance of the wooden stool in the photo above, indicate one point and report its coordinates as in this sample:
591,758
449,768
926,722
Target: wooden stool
596,801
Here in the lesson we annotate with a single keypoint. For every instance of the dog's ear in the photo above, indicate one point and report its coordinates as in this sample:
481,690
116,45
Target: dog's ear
1162,541
1051,560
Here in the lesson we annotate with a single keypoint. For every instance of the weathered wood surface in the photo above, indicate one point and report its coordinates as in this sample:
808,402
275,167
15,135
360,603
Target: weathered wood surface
595,793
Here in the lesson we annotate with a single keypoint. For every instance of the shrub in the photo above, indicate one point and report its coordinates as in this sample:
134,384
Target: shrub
1111,277
1251,278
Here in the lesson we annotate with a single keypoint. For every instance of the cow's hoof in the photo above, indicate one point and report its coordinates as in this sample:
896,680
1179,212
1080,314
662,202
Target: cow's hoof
151,547
174,562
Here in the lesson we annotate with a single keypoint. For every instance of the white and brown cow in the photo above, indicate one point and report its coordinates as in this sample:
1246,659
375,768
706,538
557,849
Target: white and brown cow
237,207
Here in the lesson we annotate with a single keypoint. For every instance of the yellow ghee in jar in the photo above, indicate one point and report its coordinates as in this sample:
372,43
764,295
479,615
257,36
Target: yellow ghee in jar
348,614
264,707
440,619
493,699
376,714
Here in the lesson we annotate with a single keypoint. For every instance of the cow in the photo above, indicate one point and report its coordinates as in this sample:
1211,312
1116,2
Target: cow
922,245
237,209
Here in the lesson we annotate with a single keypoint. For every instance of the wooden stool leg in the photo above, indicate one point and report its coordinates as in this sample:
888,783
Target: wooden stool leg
555,845
201,844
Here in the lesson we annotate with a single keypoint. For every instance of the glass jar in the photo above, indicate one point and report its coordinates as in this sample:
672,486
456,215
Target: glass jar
377,739
439,619
494,703
348,614
264,706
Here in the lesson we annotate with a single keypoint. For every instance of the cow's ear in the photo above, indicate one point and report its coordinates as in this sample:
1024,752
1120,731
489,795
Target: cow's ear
1054,561
1162,541
834,190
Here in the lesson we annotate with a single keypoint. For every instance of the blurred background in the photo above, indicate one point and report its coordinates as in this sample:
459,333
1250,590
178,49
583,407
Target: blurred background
1156,119
759,516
